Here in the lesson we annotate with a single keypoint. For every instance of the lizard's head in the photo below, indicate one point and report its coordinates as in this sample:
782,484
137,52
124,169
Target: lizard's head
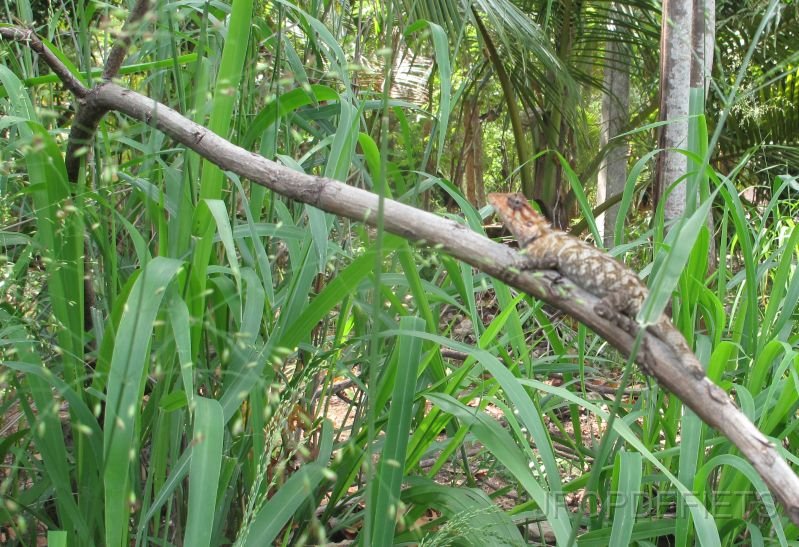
524,222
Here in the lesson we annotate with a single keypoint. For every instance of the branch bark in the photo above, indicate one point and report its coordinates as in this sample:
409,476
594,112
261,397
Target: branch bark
120,48
89,114
666,364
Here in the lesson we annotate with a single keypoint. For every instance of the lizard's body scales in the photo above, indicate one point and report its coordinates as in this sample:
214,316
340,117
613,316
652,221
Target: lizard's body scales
620,290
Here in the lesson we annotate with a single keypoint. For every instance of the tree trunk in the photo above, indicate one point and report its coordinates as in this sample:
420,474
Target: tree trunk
675,83
703,38
612,173
473,187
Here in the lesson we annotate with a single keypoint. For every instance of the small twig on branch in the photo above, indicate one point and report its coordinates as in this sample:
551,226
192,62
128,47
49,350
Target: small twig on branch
120,48
89,113
706,399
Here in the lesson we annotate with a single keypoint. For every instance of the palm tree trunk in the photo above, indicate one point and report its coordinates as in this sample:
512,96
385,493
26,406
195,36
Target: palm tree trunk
704,38
612,173
675,83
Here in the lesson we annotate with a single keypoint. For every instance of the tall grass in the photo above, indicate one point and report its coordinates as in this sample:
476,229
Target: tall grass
228,324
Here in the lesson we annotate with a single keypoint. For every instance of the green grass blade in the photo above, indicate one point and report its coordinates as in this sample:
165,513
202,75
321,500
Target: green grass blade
502,445
744,312
56,538
441,49
704,522
691,452
681,241
287,103
59,224
276,512
228,80
471,516
179,320
625,495
333,52
784,295
206,462
220,215
97,72
342,149
51,446
627,196
125,386
386,494
746,470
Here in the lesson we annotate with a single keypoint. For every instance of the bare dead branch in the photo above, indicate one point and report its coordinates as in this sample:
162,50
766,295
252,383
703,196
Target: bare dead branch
120,48
81,134
35,43
706,399
89,113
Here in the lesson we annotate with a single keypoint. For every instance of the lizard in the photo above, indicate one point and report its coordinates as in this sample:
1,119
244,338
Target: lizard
620,290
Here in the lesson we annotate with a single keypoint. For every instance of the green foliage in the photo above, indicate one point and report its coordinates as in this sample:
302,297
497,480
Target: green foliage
764,118
259,372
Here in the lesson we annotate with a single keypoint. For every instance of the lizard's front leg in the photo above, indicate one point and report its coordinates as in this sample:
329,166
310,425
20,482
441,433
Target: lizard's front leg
534,261
607,308
614,307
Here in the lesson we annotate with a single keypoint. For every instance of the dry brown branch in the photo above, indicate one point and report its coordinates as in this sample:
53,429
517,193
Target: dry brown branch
81,134
706,399
89,113
30,39
120,48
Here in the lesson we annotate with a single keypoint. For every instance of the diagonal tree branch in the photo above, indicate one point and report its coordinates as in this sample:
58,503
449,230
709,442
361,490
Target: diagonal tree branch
712,404
32,40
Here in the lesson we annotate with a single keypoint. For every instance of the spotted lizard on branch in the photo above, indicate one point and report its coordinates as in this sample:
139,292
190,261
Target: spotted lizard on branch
620,290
